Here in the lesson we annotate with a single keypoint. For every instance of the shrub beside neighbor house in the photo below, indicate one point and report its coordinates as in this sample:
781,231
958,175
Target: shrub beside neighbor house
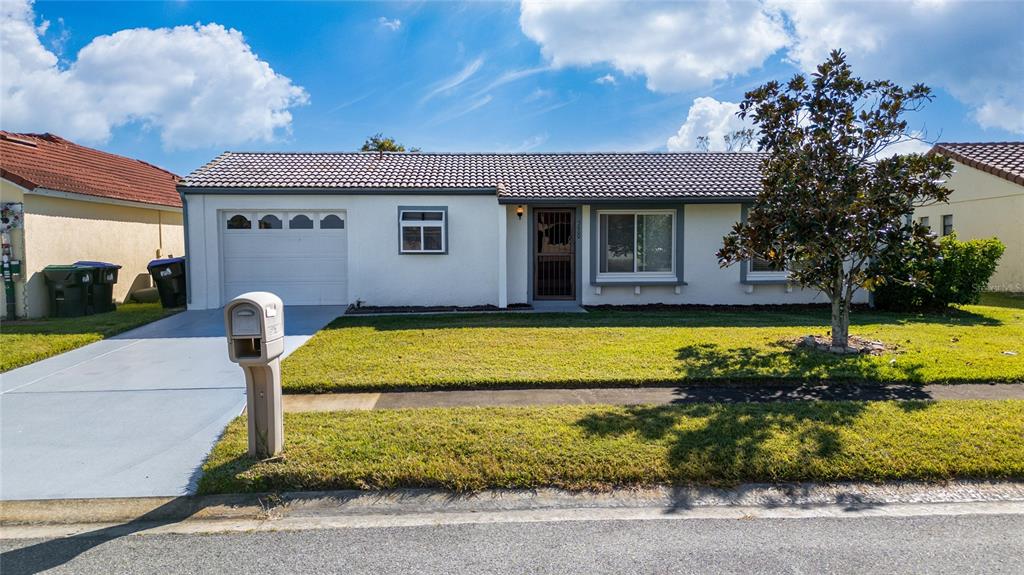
957,275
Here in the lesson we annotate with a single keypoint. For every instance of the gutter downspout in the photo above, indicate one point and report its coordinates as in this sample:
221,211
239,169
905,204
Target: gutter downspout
188,260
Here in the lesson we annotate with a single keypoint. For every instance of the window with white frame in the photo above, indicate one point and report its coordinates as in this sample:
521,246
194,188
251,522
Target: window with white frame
423,230
637,242
947,224
760,269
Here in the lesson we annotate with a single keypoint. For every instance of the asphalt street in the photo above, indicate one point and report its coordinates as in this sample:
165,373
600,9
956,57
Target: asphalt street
923,544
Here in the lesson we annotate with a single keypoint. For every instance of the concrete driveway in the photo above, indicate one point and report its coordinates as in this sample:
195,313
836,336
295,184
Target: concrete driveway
130,416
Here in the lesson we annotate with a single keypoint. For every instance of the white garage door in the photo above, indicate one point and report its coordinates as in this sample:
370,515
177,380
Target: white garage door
301,256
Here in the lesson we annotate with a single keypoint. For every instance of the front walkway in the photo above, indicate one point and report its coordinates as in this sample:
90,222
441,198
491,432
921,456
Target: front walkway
649,395
129,416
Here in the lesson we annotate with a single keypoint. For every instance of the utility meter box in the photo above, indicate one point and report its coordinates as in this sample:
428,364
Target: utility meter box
254,323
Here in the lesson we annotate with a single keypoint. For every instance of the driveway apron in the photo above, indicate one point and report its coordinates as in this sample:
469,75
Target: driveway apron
130,416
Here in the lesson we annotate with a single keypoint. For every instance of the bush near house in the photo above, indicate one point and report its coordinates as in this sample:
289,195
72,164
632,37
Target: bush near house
597,447
958,275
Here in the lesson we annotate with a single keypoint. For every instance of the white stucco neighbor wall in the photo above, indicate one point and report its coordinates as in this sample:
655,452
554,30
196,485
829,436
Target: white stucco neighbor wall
377,273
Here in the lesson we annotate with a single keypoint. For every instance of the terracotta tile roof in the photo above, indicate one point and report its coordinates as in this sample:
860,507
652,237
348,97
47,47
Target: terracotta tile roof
512,176
1003,159
51,162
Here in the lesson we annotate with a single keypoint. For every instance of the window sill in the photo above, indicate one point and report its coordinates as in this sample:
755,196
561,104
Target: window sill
779,278
637,281
441,253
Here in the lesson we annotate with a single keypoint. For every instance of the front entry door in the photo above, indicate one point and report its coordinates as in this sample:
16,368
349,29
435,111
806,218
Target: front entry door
554,260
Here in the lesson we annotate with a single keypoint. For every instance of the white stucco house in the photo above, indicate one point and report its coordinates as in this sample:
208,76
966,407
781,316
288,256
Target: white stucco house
426,229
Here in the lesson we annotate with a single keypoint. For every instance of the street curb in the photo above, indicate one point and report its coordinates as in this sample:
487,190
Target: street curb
269,506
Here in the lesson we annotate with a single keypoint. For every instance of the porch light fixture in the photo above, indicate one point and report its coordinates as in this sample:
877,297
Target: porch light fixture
519,212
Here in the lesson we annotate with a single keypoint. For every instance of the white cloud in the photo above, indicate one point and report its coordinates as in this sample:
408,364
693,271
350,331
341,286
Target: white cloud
513,76
455,80
198,86
471,106
973,50
606,79
392,25
532,142
711,118
910,145
677,46
1001,114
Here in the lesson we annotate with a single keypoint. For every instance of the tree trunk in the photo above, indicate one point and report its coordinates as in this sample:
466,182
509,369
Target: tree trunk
840,323
841,313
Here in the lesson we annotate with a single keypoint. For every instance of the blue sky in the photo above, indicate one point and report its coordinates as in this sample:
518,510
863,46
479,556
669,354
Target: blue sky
472,76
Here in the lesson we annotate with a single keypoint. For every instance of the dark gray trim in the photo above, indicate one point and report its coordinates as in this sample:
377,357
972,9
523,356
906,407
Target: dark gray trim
595,259
745,264
531,233
338,191
188,251
423,209
625,199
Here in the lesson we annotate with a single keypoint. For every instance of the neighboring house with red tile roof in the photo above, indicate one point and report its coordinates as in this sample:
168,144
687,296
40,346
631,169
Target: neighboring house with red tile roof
80,203
450,229
987,200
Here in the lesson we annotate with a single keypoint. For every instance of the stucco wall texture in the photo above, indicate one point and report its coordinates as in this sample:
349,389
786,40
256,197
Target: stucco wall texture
985,206
62,231
488,258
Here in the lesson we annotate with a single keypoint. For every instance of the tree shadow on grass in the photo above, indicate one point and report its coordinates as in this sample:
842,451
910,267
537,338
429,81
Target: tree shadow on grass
805,316
785,361
725,445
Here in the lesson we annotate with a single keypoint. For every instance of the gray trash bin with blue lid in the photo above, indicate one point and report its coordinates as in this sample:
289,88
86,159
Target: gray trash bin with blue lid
169,276
100,293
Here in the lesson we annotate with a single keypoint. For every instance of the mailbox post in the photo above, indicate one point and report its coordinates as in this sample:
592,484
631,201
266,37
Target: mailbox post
254,323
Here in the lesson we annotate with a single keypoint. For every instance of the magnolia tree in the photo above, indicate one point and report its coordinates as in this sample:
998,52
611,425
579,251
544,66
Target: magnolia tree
835,209
379,143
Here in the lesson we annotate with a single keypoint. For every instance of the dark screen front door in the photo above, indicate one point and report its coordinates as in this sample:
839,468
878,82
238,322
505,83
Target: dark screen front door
554,261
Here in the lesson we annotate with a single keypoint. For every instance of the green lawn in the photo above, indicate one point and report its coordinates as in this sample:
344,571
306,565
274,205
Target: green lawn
1003,299
583,447
25,341
637,348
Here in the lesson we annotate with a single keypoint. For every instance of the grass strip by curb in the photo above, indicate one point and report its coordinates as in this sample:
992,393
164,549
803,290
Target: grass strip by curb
616,348
26,341
596,447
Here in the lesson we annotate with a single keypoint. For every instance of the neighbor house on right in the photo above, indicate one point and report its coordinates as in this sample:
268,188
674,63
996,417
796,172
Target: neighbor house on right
987,200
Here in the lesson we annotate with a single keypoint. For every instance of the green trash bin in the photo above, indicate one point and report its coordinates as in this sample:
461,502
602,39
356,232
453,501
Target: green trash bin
69,287
100,294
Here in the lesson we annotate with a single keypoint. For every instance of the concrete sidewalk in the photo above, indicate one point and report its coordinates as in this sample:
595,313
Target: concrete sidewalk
722,393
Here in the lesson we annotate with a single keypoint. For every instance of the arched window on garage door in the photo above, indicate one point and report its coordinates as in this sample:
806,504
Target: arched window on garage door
331,222
300,222
270,222
238,222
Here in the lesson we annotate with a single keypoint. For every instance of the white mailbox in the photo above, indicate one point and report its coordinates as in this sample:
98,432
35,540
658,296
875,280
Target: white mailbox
254,324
